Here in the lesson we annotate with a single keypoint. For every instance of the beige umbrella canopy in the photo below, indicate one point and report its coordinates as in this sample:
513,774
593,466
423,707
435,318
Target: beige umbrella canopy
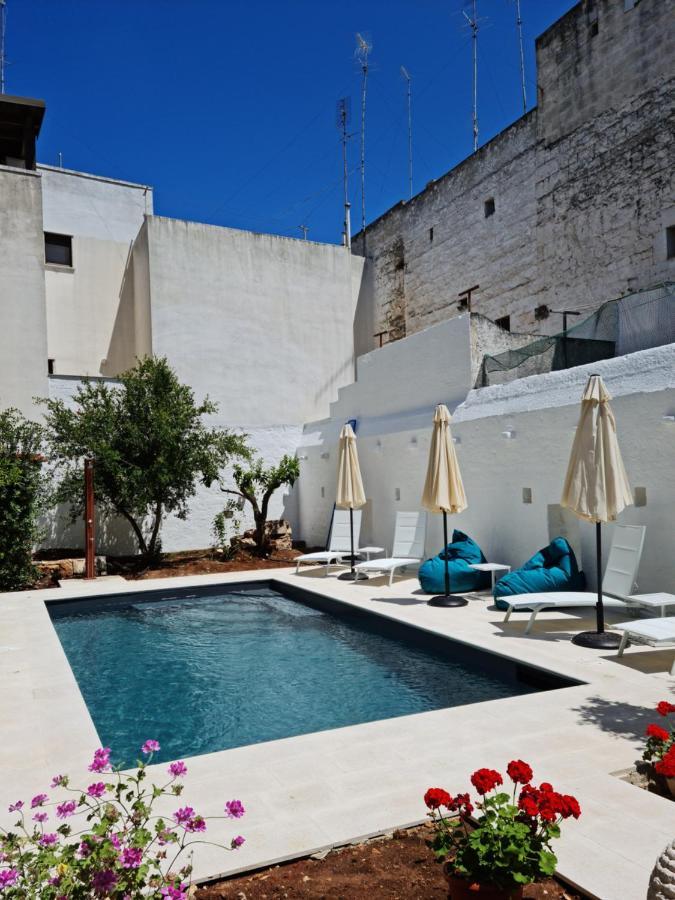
596,486
350,494
443,489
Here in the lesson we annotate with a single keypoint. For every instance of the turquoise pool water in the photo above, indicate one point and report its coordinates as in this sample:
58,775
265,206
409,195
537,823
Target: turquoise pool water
243,665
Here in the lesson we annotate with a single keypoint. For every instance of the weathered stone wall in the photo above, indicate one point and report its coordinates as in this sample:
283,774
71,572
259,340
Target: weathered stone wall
582,189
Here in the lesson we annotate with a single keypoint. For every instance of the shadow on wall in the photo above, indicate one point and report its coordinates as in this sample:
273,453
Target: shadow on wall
114,536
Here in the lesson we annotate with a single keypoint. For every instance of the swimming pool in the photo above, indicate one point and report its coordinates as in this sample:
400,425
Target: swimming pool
239,664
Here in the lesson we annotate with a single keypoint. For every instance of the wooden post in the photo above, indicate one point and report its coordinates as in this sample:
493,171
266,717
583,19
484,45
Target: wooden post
89,539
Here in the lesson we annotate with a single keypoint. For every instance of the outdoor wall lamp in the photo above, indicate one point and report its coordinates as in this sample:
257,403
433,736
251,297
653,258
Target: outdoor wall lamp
508,434
456,440
668,420
325,455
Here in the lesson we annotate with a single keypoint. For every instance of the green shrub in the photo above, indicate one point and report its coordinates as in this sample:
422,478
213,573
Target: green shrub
21,498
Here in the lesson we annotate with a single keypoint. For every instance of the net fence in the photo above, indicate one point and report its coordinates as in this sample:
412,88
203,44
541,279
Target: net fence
635,322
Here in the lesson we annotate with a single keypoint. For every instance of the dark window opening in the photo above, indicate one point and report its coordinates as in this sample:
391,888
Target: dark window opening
542,312
489,207
465,298
431,234
504,322
670,242
58,249
593,30
50,366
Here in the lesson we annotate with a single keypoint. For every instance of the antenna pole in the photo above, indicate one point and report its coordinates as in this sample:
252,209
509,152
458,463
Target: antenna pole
519,25
304,229
343,115
407,76
3,27
474,39
362,51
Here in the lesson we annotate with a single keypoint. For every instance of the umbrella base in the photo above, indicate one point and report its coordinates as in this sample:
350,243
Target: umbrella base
353,576
448,600
598,640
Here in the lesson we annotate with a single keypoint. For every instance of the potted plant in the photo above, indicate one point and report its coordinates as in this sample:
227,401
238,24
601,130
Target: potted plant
659,749
492,849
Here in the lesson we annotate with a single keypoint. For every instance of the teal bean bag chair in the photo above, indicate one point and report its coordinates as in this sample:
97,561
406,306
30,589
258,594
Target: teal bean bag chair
554,568
461,553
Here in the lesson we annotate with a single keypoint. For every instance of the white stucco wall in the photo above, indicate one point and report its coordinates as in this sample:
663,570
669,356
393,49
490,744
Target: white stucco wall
542,412
263,324
104,217
23,330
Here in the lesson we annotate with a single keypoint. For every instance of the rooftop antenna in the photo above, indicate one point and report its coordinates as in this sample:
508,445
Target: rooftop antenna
407,77
472,21
3,59
304,229
343,112
519,26
363,48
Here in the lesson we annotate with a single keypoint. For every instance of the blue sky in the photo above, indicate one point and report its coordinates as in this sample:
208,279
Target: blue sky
227,108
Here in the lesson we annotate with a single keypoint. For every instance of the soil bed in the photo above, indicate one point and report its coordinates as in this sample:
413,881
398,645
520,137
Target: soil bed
396,868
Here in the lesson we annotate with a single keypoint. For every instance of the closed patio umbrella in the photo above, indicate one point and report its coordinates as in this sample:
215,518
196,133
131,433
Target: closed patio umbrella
350,494
596,487
443,490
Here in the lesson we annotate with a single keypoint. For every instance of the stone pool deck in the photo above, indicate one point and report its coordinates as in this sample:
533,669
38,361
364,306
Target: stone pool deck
307,793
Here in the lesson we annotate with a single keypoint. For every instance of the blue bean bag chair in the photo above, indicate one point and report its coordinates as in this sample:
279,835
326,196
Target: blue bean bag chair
461,553
554,568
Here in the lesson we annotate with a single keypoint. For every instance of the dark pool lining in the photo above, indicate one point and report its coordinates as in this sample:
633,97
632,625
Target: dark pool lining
495,664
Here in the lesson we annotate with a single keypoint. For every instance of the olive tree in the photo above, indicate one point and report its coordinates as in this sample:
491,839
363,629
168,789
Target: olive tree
151,446
255,484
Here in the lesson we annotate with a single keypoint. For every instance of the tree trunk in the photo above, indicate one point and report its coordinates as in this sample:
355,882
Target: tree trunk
152,546
142,546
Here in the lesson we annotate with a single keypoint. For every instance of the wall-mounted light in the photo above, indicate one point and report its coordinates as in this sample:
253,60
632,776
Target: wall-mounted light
413,442
456,440
378,444
527,495
668,420
397,493
303,456
325,455
508,434
323,492
640,496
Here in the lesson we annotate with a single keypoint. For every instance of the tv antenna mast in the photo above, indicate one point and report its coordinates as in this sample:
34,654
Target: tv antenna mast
363,48
3,28
343,111
304,229
519,26
472,21
408,79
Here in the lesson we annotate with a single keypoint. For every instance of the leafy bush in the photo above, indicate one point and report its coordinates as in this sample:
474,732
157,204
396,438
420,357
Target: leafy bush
510,842
226,524
22,492
150,445
256,484
123,849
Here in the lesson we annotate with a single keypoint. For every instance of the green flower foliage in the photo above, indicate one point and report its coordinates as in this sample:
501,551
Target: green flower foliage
256,484
150,445
22,494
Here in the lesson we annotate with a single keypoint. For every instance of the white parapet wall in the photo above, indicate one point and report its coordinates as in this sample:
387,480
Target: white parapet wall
509,438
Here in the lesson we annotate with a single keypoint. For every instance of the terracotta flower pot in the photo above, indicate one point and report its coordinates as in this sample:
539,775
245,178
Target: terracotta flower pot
461,889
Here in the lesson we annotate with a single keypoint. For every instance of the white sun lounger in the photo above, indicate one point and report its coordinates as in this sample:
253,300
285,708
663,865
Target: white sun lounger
408,550
339,543
618,582
654,632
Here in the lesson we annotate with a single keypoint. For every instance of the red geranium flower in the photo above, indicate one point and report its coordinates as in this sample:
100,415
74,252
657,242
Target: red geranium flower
570,807
485,780
664,708
528,804
519,771
666,766
462,804
545,787
436,797
658,733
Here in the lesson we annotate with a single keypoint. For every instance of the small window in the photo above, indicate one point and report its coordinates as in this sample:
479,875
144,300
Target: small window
670,242
58,249
489,207
431,234
504,322
50,366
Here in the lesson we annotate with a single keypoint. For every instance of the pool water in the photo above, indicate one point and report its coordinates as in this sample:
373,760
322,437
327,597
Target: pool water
244,665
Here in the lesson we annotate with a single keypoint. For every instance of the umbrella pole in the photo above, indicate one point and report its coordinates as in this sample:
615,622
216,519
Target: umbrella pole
352,575
600,639
600,609
447,599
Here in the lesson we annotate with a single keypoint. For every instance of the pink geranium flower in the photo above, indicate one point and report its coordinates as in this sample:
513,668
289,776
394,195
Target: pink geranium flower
150,746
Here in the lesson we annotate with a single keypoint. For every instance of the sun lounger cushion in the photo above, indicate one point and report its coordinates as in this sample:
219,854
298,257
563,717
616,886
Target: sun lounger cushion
554,568
461,553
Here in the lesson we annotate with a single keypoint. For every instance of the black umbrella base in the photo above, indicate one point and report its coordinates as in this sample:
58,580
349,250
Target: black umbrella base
353,576
448,600
598,640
